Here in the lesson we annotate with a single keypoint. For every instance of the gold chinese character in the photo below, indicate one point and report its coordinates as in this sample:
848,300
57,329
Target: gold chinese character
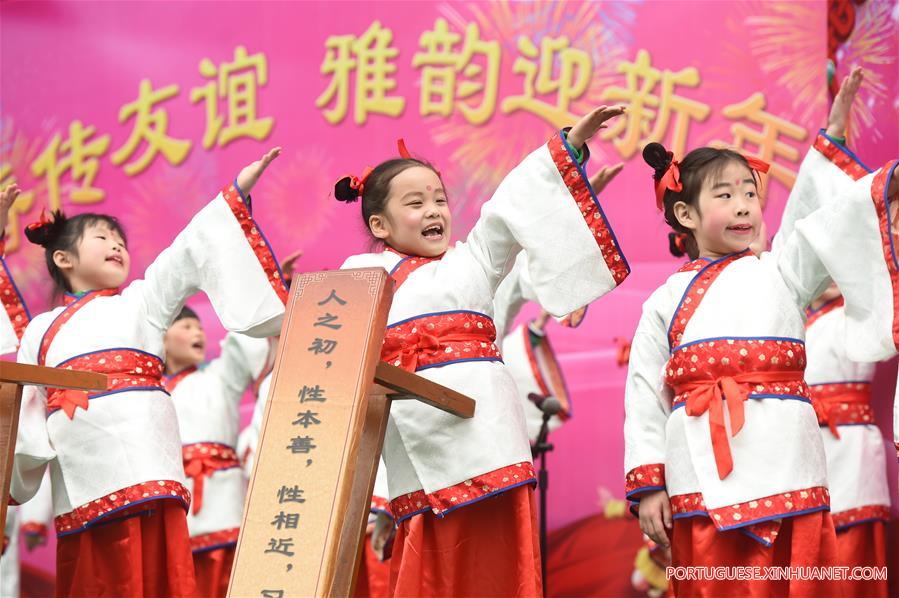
237,82
574,67
371,56
150,127
646,108
767,141
78,157
440,88
20,206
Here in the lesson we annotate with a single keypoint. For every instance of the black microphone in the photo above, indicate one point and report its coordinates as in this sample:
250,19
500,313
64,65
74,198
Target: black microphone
549,404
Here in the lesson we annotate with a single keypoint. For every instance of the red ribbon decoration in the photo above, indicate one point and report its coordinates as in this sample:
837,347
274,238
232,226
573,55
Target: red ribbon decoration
757,164
199,464
67,399
408,348
401,146
358,183
43,220
708,395
670,180
828,405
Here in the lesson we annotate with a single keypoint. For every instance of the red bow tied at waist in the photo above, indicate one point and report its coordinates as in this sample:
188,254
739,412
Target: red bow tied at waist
201,460
708,395
431,340
125,369
830,400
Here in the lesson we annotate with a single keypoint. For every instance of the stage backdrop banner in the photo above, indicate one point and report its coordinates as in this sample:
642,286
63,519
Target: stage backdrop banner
145,110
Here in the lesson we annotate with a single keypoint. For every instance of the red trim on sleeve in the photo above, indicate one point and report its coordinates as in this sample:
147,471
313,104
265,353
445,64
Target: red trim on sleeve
840,157
12,301
256,240
878,196
644,478
589,208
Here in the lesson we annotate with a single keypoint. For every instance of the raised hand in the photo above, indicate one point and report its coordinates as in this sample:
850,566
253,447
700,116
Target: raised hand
842,103
7,196
249,176
288,264
605,175
588,126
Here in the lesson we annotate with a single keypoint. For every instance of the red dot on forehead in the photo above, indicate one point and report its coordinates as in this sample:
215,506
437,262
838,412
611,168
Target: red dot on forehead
429,187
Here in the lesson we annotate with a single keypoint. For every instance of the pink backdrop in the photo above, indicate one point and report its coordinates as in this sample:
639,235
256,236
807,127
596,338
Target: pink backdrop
749,73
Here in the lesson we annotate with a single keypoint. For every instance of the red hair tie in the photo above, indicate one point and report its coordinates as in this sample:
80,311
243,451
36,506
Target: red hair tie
670,180
358,183
404,153
43,220
401,146
757,164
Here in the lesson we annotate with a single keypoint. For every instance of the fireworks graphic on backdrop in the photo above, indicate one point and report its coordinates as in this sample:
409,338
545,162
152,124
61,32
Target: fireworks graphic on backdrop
482,155
787,39
163,203
869,47
299,191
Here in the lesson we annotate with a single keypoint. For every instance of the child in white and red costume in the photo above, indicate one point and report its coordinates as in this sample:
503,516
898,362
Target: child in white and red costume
115,457
744,480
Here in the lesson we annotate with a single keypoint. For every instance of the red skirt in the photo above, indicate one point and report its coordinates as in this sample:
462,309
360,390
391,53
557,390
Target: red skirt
490,548
803,541
864,545
213,569
143,552
373,579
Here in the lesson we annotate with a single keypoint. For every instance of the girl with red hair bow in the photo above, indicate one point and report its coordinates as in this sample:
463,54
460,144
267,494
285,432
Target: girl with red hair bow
462,490
723,457
114,457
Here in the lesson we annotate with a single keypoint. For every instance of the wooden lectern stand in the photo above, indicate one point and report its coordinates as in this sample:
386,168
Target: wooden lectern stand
321,438
13,376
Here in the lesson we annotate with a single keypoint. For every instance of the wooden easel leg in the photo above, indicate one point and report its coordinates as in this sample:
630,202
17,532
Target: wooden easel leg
10,401
352,535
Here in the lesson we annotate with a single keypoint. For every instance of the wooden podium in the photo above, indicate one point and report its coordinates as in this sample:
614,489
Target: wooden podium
309,495
13,376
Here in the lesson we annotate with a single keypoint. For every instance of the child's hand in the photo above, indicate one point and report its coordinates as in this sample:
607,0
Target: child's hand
601,179
760,244
249,176
588,126
287,266
655,516
539,323
7,196
574,319
842,104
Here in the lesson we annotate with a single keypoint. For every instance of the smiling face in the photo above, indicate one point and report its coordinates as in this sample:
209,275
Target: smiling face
185,344
416,219
100,259
728,217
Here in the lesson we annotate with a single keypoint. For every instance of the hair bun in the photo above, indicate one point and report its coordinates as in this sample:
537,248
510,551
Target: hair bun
46,230
658,157
677,244
346,189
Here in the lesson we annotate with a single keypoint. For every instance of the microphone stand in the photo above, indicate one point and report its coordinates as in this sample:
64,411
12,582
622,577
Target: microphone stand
540,448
